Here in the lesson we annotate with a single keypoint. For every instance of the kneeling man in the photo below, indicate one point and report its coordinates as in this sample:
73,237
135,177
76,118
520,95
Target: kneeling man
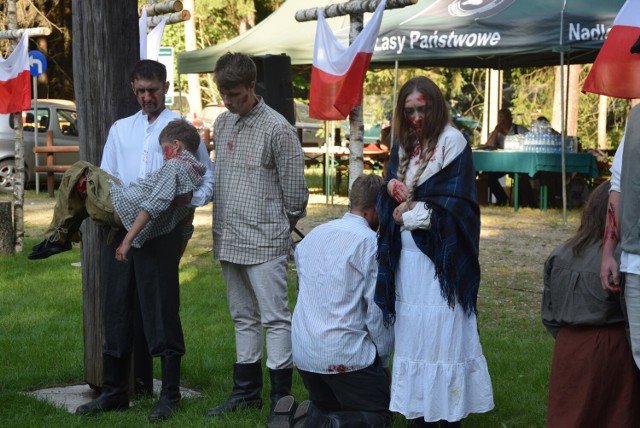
340,345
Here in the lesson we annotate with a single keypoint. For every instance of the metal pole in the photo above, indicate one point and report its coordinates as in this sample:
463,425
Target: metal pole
35,130
393,105
562,119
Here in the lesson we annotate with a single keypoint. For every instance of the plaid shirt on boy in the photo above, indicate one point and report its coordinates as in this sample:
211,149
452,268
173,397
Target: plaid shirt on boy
259,185
155,193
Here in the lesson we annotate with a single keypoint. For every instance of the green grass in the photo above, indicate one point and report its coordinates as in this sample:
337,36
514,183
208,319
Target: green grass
41,339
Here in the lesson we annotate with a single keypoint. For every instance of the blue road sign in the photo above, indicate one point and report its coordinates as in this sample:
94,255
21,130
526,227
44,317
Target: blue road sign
37,63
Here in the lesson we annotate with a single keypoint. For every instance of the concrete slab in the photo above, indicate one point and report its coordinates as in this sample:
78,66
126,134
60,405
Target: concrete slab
72,396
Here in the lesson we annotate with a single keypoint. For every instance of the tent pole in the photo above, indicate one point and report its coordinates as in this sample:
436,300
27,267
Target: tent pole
563,125
393,103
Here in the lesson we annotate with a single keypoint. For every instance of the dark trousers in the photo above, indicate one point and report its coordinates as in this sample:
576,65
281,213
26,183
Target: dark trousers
362,390
525,192
496,188
152,274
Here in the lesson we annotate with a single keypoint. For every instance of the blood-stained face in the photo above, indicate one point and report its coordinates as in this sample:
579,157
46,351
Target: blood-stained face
239,99
415,107
150,95
169,150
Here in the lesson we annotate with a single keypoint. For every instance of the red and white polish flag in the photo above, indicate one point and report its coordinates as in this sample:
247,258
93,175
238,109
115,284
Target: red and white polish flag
15,83
338,72
616,71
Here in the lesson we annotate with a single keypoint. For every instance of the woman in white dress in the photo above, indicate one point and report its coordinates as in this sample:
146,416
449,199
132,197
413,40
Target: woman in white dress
429,272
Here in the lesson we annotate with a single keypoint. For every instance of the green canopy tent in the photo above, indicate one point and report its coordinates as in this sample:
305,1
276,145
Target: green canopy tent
277,34
495,34
446,33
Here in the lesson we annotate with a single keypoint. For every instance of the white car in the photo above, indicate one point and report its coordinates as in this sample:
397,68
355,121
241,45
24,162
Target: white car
58,116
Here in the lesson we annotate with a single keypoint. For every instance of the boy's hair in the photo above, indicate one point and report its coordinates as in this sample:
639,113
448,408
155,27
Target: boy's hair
364,192
234,69
181,130
149,69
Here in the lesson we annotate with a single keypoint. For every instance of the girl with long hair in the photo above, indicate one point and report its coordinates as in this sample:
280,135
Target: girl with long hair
593,381
429,273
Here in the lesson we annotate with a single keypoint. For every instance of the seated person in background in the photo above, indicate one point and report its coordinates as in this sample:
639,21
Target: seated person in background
594,381
144,208
340,345
506,127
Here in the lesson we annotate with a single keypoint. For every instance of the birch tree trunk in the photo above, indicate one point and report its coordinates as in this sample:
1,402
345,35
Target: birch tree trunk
572,98
570,108
558,108
602,122
105,49
356,131
190,45
18,173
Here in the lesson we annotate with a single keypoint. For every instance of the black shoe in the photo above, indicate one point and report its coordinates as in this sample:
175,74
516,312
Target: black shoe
300,416
282,413
47,249
164,409
104,403
232,405
247,385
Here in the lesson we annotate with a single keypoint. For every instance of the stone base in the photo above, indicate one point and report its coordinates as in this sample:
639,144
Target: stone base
72,396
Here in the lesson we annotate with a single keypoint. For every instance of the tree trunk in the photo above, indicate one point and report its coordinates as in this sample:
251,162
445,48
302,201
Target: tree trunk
6,229
602,121
570,107
356,131
558,108
18,173
572,98
190,45
105,49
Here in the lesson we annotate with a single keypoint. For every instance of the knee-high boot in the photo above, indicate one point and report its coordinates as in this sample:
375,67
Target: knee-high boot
282,402
115,387
357,419
247,387
170,393
280,384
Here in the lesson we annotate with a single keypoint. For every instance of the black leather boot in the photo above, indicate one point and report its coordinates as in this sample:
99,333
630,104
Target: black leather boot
115,386
280,388
170,393
357,419
447,424
280,384
421,423
247,386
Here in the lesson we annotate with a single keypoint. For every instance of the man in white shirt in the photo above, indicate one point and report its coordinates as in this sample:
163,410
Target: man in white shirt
151,274
504,127
622,227
340,345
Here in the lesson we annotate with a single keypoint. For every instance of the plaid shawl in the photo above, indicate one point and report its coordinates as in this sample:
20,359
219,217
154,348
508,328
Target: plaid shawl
451,243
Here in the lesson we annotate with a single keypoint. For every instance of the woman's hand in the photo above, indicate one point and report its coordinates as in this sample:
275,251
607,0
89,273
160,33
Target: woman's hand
121,252
401,209
397,190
